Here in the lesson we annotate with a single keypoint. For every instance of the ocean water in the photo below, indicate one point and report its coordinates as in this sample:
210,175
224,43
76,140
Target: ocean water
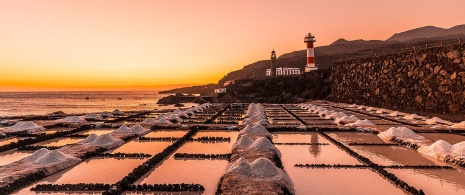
40,103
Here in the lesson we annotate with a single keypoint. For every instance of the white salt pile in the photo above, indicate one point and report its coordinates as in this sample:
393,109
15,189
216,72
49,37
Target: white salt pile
257,130
92,116
105,140
244,141
263,167
459,125
365,122
149,121
370,109
241,166
264,144
395,113
346,119
247,122
28,126
412,116
438,149
381,111
163,121
117,112
402,133
361,107
72,119
54,157
325,113
353,106
436,120
106,114
136,129
335,115
459,149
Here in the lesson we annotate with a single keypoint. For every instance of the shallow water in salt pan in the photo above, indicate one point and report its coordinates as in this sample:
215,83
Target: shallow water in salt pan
312,137
98,131
204,172
166,133
433,181
395,155
54,130
6,141
329,154
12,156
59,142
355,137
451,138
146,147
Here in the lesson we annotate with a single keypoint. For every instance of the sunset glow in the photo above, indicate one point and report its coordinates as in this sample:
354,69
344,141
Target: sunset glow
107,44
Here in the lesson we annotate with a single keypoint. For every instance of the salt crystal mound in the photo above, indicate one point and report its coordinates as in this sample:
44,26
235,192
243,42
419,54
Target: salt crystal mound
106,114
91,116
365,122
177,111
136,129
326,113
189,112
264,168
106,141
412,117
353,106
262,122
163,121
244,141
264,144
395,113
182,114
459,149
241,166
37,154
402,133
89,139
247,122
149,121
256,130
459,125
122,129
160,116
335,115
25,126
381,111
436,120
370,109
55,156
346,119
173,117
438,149
73,119
361,107
117,112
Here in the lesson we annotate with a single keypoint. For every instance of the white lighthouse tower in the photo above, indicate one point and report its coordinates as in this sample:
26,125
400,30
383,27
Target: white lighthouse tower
310,39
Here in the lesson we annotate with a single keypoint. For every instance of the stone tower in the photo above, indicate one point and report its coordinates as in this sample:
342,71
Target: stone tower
273,63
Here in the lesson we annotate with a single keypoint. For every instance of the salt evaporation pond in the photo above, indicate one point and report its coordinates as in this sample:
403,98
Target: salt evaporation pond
166,133
451,138
395,155
355,137
433,181
204,172
59,142
232,134
98,131
12,156
312,137
328,154
146,147
8,141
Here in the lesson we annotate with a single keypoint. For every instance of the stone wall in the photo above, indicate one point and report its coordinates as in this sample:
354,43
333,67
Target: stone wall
430,80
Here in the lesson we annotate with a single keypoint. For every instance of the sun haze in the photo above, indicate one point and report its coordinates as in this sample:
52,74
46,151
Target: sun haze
107,44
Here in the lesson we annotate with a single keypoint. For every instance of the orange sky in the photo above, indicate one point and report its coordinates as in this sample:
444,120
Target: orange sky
115,44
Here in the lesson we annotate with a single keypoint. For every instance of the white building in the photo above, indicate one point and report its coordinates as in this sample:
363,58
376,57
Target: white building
228,82
284,71
220,90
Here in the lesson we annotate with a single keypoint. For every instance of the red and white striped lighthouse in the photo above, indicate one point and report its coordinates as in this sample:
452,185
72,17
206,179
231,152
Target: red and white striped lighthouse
310,39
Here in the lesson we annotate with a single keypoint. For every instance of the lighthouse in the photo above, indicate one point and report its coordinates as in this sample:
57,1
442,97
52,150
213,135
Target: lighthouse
273,63
309,40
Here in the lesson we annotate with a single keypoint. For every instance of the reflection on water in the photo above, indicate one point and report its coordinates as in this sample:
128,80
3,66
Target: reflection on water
355,137
339,181
204,172
206,148
98,131
7,141
59,142
329,154
451,138
166,133
142,147
312,137
54,130
12,156
433,181
232,134
394,155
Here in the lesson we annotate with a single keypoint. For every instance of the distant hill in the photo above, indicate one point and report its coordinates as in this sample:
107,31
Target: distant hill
427,32
200,89
341,48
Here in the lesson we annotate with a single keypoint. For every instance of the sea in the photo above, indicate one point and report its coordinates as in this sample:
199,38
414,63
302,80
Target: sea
76,102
